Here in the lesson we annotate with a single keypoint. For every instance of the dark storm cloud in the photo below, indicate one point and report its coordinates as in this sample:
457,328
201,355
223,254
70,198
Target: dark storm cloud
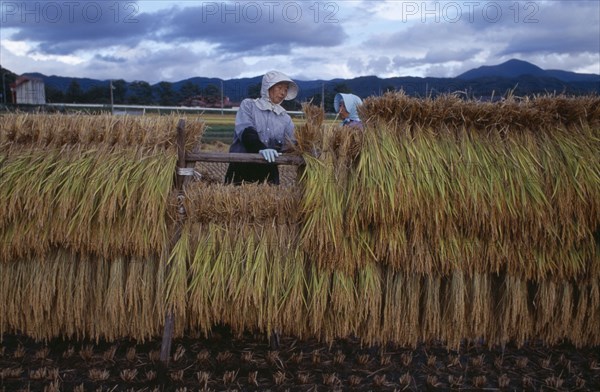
440,42
503,28
562,27
64,27
451,54
110,59
253,27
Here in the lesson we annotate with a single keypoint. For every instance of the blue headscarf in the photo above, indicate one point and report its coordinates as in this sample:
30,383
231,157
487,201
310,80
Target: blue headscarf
351,102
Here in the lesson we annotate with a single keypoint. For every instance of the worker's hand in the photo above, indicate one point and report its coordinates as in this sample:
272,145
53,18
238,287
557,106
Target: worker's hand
269,154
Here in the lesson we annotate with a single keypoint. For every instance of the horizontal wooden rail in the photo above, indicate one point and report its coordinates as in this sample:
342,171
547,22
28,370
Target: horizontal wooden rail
226,157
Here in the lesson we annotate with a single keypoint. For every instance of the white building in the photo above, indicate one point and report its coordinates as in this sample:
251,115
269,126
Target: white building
28,90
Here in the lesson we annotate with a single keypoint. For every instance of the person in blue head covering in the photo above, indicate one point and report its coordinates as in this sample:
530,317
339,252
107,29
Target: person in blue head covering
346,105
263,126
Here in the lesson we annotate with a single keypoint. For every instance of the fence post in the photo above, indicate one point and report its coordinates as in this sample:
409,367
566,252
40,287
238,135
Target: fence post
165,347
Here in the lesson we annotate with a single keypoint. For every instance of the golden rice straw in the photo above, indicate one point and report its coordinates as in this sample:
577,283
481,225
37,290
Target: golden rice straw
73,198
287,281
401,310
564,319
480,307
454,318
372,188
203,280
341,317
547,304
176,280
370,303
318,287
431,308
292,311
325,197
587,313
247,203
72,297
451,111
515,322
594,313
243,276
114,308
44,131
143,292
578,330
309,136
322,212
96,302
440,217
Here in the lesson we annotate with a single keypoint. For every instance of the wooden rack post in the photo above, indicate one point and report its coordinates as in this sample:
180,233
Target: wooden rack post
188,161
165,348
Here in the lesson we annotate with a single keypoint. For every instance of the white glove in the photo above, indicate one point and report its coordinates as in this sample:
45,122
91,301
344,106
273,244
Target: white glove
269,154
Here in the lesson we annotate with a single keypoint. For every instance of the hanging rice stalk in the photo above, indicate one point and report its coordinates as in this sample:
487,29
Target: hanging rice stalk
431,308
342,301
401,309
318,289
176,285
454,317
325,219
369,288
48,131
73,297
88,201
246,276
515,322
480,314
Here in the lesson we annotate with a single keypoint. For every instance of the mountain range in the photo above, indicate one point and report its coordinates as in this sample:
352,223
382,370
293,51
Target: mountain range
519,77
515,68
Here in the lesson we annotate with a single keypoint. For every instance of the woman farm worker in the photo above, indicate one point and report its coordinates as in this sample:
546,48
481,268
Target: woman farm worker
346,105
263,126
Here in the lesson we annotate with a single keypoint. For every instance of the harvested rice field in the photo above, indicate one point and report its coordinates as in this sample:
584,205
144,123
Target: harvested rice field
452,244
223,362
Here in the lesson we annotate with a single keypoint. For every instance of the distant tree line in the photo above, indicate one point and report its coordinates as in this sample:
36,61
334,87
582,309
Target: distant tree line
164,94
134,93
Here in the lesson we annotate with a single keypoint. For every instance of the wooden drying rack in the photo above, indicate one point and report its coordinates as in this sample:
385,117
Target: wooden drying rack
187,161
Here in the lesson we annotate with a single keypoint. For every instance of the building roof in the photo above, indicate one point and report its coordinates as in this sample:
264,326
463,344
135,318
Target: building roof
24,79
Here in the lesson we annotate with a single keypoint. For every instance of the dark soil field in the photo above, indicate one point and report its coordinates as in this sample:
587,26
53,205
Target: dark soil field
252,363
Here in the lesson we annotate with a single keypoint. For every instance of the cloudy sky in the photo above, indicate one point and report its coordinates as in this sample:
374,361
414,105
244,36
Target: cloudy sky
174,40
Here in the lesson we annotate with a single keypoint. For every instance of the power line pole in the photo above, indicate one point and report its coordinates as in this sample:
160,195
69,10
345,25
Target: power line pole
3,87
221,97
323,96
112,102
